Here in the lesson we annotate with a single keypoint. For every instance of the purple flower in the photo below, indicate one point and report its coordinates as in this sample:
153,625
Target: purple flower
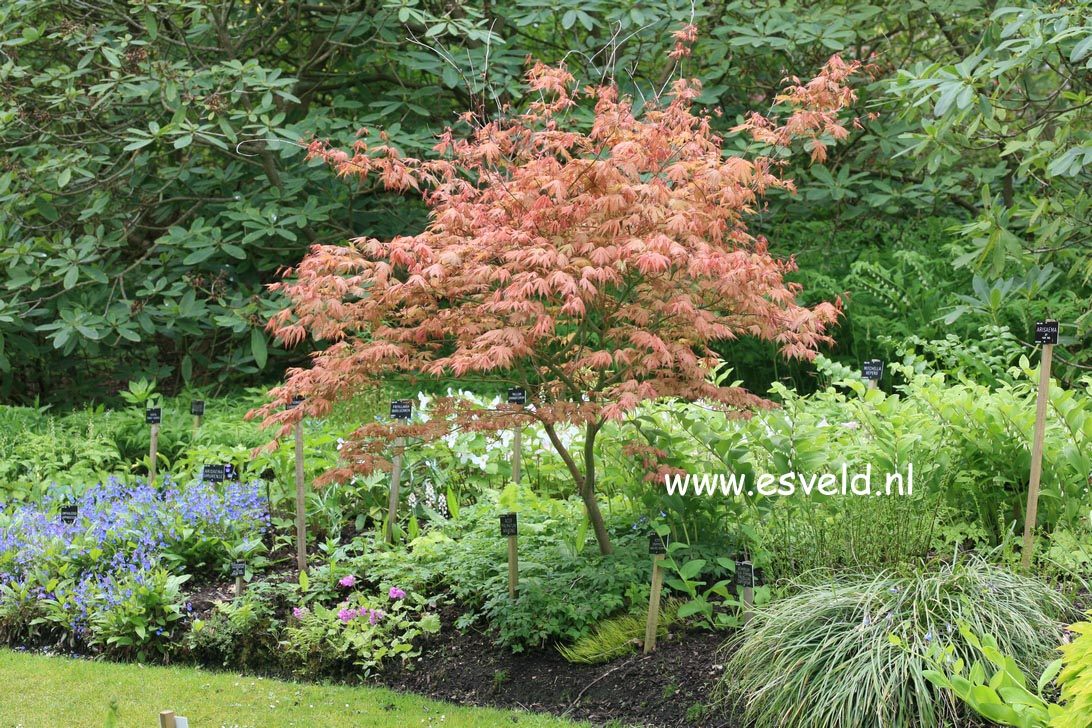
374,615
347,615
397,593
348,581
300,612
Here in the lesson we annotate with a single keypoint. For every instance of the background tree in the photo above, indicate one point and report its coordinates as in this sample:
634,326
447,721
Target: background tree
1017,103
144,196
590,258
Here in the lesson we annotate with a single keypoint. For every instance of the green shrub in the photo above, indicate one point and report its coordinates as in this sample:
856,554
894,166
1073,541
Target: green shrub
363,630
1004,697
143,622
844,652
242,633
1076,680
564,588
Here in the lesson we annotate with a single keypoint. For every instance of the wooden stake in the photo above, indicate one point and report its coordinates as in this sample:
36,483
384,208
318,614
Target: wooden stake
166,719
745,586
301,504
153,453
1032,515
517,446
653,624
513,566
396,477
196,423
238,586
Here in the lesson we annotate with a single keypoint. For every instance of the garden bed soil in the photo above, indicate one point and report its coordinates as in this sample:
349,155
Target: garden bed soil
670,687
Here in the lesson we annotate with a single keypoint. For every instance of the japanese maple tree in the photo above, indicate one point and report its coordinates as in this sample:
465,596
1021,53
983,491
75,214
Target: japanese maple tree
592,262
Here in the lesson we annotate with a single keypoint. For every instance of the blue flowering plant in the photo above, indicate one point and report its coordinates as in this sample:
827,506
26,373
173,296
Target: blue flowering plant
108,575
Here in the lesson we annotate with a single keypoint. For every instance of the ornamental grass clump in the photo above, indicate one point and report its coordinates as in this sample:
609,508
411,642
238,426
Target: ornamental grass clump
845,650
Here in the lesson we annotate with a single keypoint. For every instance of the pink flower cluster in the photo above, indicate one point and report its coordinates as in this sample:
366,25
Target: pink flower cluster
348,615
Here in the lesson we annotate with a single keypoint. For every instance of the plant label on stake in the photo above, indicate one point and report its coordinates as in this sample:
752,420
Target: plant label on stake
153,416
872,370
509,528
197,408
301,514
401,409
1046,334
214,473
657,546
238,570
69,514
517,396
745,578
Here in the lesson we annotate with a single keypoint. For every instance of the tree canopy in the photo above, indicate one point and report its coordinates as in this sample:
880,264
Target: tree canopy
591,263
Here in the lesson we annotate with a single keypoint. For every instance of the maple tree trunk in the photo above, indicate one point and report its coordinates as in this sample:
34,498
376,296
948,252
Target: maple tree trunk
587,492
585,482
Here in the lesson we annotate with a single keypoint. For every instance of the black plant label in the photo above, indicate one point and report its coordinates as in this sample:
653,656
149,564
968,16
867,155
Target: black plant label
401,409
872,369
1046,332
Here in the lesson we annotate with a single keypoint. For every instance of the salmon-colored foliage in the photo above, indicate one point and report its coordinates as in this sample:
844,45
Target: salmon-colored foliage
593,265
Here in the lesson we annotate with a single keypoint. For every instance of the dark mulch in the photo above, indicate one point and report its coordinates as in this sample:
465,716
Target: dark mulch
669,687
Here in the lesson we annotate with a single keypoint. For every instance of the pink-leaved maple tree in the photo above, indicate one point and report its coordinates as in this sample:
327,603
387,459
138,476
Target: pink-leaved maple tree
591,261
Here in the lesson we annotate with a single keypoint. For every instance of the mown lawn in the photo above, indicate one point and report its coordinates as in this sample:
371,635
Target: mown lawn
56,692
